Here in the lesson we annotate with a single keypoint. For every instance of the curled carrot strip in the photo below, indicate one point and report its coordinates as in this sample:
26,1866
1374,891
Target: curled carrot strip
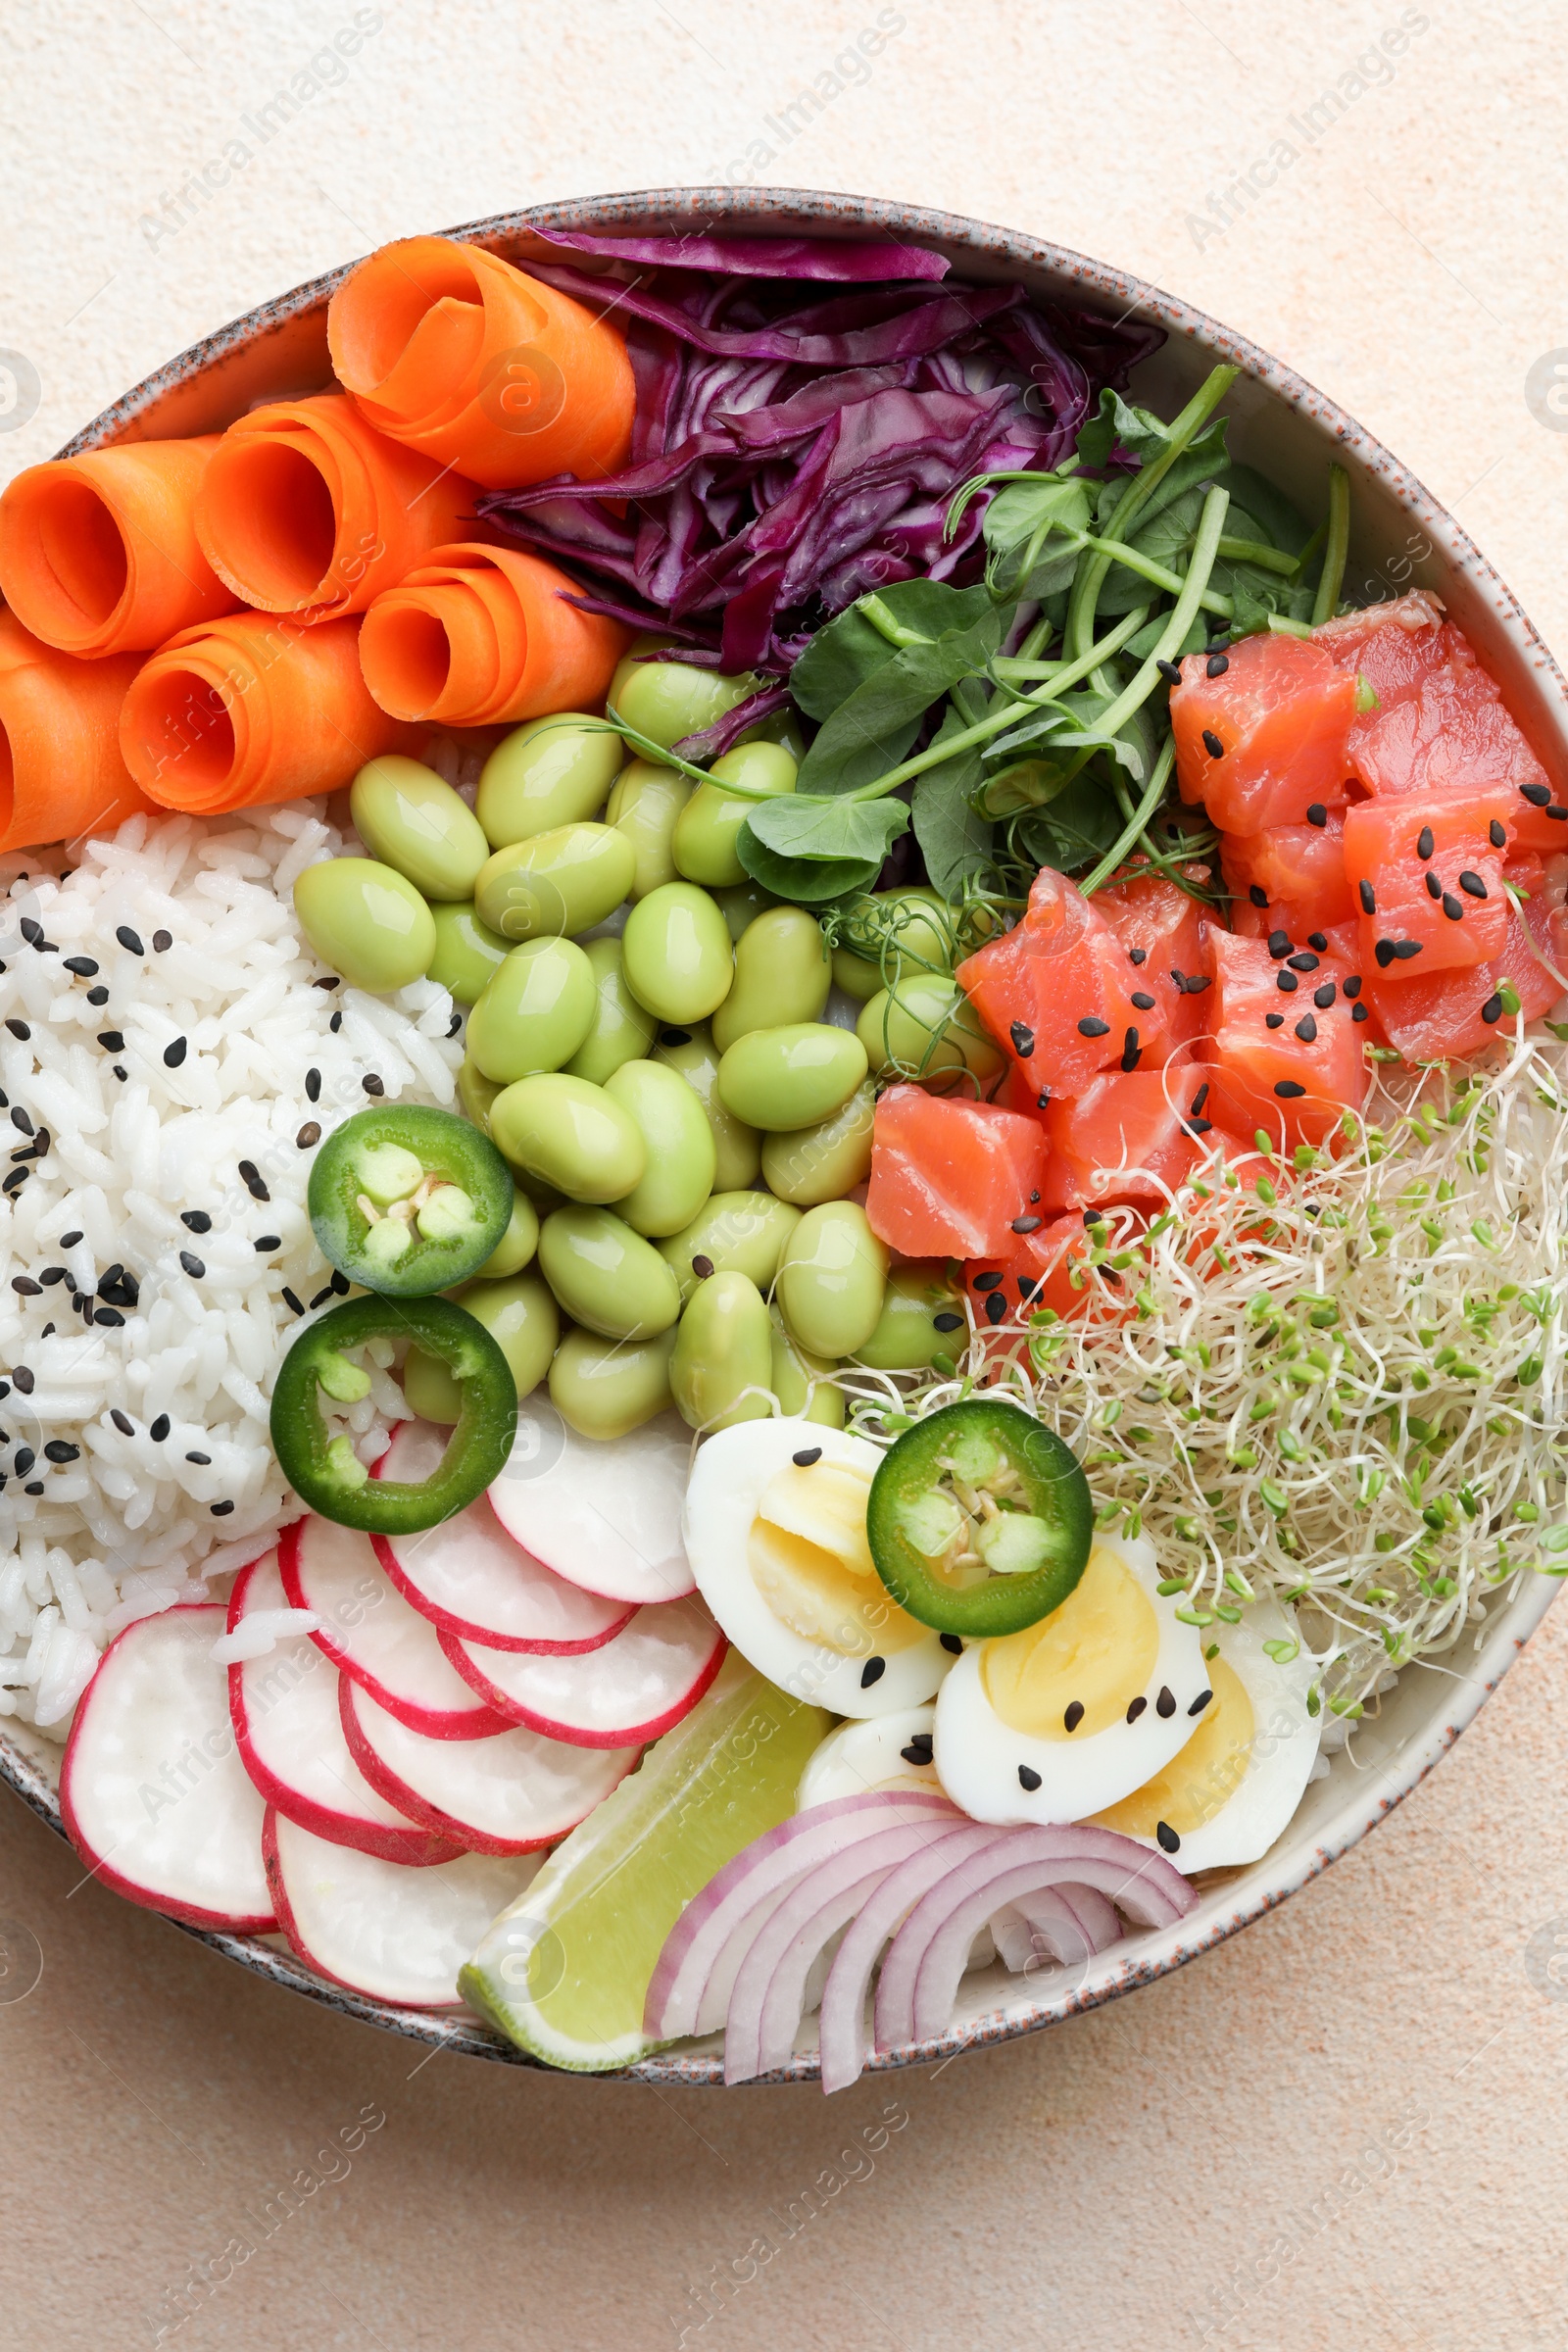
99,554
252,709
479,634
307,509
60,771
453,351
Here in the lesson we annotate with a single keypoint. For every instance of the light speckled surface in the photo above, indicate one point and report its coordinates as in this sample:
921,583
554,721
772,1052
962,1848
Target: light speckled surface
1347,2121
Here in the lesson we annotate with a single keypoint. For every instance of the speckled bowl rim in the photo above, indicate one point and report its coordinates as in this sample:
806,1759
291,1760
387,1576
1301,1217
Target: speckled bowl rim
1538,694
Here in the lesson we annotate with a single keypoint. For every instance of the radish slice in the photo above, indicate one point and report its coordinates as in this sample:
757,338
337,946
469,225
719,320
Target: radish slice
841,2030
652,1673
371,1633
604,1514
469,1577
504,1796
284,1708
154,1795
689,1987
394,1934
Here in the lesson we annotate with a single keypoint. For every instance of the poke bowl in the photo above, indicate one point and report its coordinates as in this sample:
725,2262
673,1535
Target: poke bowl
1278,1354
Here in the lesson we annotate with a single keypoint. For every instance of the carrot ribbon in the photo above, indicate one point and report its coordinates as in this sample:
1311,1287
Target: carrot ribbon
479,634
451,350
99,554
249,710
60,771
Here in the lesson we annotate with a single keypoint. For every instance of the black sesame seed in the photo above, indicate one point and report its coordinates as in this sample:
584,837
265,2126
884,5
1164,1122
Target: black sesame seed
1433,886
16,1180
1537,795
1279,944
251,1179
97,996
1130,1051
1074,1714
1218,665
268,1242
162,941
702,1266
872,1672
19,1030
675,1037
22,1379
1033,1198
1198,1099
1452,908
372,1084
107,1315
112,1041
1199,1702
918,1750
1023,1039
1306,1029
122,1422
996,1308
159,1428
309,1135
82,965
197,1219
1384,952
221,1510
985,1282
203,1461
1136,1707
128,939
121,1073
1360,1012
292,1299
1424,842
340,1284
1352,986
1094,1216
1368,898
951,1642
1195,984
1404,949
176,1053
1170,671
1318,940
1324,997
1028,1778
1492,1011
1258,896
1043,1098
69,1240
1029,1286
455,1024
60,1449
1472,885
1166,1703
327,980
1286,983
1142,999
53,1274
1303,964
26,1457
1138,955
312,1086
320,1298
192,1266
21,1120
806,1456
1317,814
25,1286
335,1023
1496,835
1212,744
1169,1842
1026,1224
1289,1089
1088,1026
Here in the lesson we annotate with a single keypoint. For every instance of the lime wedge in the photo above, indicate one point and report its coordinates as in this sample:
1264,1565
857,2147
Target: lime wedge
565,1970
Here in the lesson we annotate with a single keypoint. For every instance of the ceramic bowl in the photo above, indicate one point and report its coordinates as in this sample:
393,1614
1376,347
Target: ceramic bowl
1402,539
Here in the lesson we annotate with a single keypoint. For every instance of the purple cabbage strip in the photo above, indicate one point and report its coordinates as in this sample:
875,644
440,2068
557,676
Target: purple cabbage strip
710,743
872,258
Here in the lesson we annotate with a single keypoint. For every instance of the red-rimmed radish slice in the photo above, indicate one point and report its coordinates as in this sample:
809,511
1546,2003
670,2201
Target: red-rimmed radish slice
507,1795
383,1930
652,1673
154,1795
369,1631
469,1577
284,1709
606,1514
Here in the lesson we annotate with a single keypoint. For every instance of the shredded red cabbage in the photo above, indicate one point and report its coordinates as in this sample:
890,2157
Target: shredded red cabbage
788,455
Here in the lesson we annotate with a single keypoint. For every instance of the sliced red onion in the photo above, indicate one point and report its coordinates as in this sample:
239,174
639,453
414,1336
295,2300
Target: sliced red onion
1048,1925
689,1987
842,2026
1096,1913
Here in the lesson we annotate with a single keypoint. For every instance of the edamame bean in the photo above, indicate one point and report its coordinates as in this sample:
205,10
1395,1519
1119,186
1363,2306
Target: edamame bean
906,1338
812,1165
782,974
677,953
735,1233
571,1135
607,1277
535,1013
631,660
691,1051
622,1029
802,1383
554,883
363,920
791,1077
742,904
678,1141
645,805
522,1317
832,1280
467,952
706,829
517,1244
410,818
917,925
608,1388
929,1026
667,700
724,1360
476,1093
553,772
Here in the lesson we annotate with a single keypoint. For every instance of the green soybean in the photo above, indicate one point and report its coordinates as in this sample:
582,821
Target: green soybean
812,1164
802,1383
724,1360
734,1233
365,921
555,883
411,818
709,826
620,1030
466,952
667,700
906,1338
928,1027
631,660
791,1076
677,955
552,772
522,1317
782,974
568,1134
742,903
535,1013
476,1093
608,1388
910,929
607,1277
832,1280
644,806
517,1244
739,1148
679,1142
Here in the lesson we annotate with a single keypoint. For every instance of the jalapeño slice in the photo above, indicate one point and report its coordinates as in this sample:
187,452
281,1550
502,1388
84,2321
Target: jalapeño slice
408,1201
322,1467
980,1520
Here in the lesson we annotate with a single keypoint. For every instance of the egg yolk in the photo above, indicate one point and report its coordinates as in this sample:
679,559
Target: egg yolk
1097,1649
1207,1774
810,1562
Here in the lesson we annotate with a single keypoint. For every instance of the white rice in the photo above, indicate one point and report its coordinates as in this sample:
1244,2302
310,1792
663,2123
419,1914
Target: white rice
131,1525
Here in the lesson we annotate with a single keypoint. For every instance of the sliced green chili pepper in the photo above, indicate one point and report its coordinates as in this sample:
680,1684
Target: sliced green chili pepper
980,1520
324,1469
408,1201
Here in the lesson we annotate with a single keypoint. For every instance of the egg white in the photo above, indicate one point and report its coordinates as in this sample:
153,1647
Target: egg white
978,1755
731,1470
860,1757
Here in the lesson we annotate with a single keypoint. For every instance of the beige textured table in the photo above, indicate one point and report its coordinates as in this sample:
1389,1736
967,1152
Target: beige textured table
1348,2124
